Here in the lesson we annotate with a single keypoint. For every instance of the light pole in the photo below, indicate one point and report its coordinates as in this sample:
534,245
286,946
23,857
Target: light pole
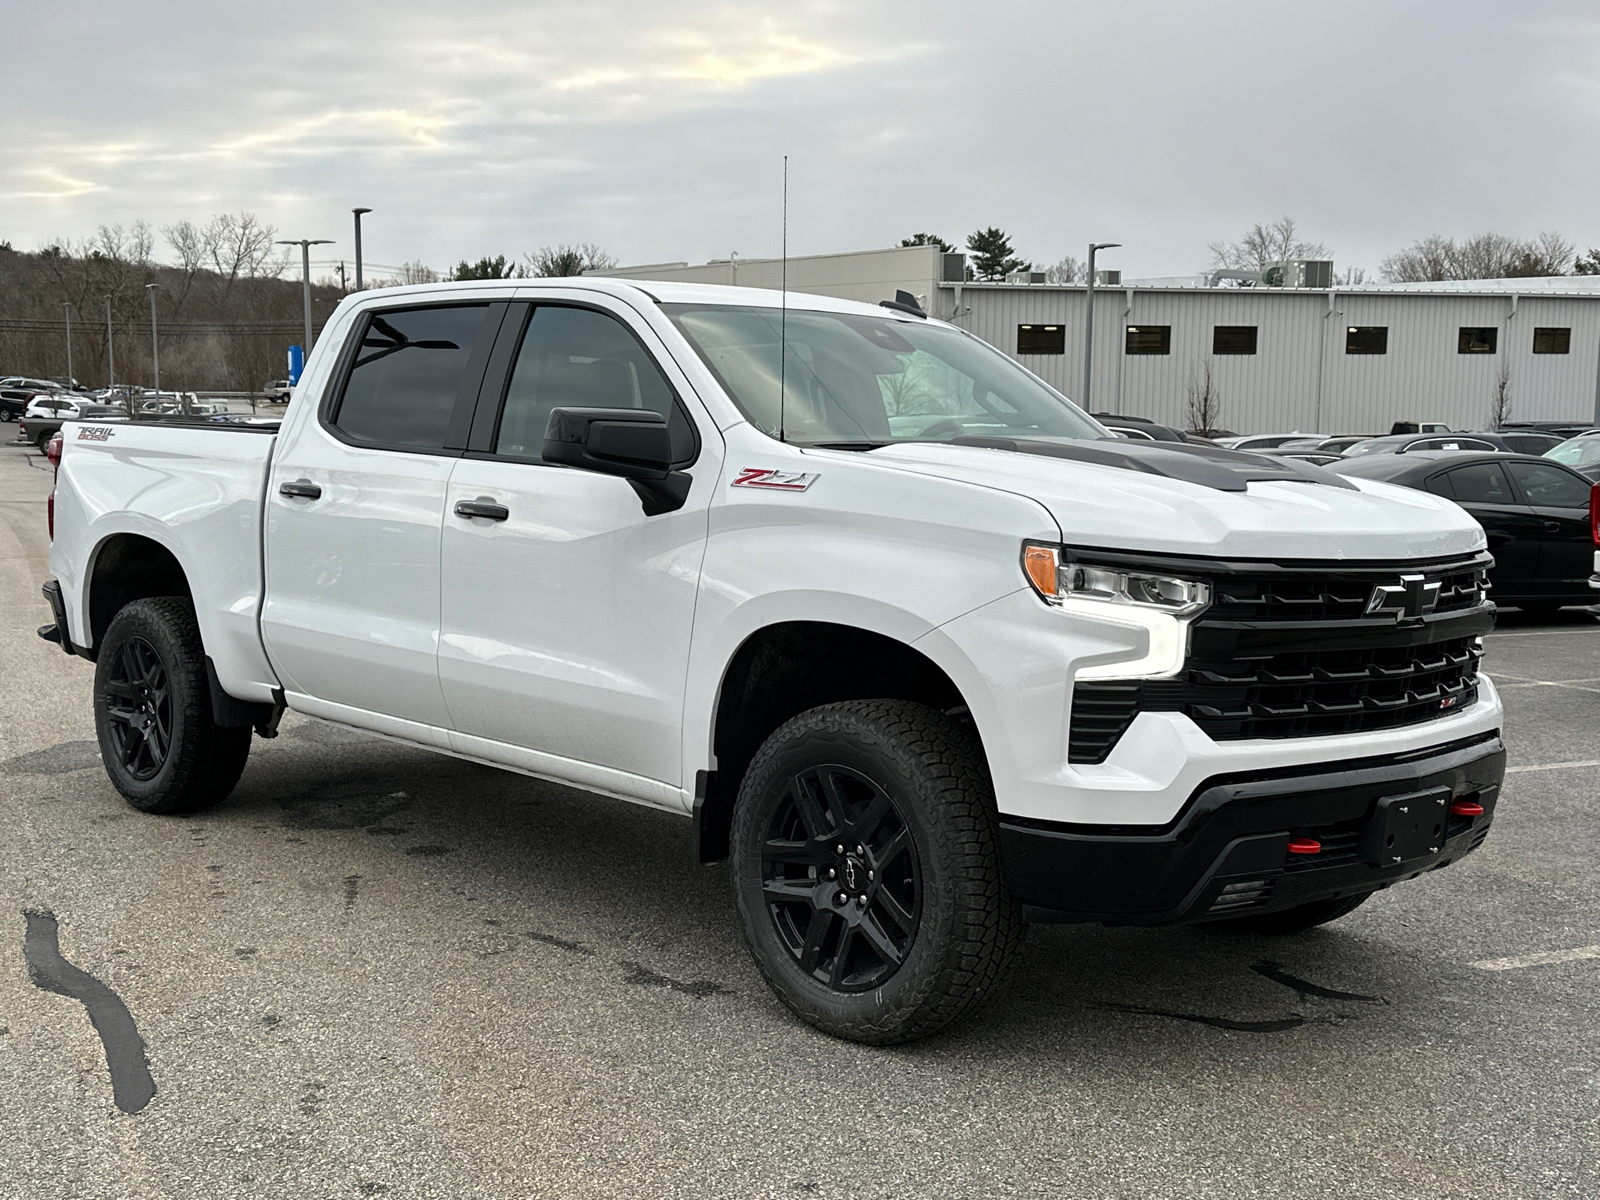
1088,325
66,307
155,347
305,245
111,358
358,212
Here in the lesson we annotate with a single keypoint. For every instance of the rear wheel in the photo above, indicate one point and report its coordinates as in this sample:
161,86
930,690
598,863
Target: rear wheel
152,712
867,872
1303,917
42,441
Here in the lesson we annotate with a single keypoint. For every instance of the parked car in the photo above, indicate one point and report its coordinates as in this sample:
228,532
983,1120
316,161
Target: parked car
1410,443
1523,441
1264,441
1562,429
918,686
1419,427
18,391
1535,513
1581,453
1142,429
55,404
277,391
1327,446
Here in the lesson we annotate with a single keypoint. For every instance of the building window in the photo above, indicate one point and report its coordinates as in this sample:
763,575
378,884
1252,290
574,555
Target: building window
1552,341
1477,341
1366,339
1149,339
1233,339
1041,339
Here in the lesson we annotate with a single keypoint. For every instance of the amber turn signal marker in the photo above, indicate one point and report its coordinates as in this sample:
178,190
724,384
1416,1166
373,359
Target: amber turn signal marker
1041,563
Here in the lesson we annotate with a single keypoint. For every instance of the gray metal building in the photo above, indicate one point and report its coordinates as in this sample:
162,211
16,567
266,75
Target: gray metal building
1326,360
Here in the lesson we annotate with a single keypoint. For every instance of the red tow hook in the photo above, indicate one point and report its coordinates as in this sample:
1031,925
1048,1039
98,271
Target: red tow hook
1304,846
1465,808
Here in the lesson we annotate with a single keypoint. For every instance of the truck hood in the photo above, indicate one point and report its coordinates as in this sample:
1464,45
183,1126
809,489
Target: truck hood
1114,508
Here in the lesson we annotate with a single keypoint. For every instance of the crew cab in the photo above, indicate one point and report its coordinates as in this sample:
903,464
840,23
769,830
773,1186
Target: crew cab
919,647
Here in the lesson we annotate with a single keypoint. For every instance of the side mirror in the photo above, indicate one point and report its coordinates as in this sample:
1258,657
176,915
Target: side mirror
630,442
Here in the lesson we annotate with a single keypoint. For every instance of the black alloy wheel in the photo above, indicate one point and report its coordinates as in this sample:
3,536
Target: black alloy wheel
866,870
840,877
138,709
159,739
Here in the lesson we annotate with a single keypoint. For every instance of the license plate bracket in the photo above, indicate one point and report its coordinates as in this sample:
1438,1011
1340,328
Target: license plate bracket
1406,827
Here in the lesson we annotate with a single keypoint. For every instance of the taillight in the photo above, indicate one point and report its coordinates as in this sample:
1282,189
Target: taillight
1594,516
52,451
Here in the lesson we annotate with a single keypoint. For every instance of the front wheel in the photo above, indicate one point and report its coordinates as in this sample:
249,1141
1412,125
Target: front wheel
152,712
867,872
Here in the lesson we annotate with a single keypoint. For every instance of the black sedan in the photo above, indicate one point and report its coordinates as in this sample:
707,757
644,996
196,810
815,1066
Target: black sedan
1534,511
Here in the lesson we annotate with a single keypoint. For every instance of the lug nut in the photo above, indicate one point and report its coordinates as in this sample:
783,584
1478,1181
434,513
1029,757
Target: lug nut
861,850
870,875
831,873
839,849
861,901
841,898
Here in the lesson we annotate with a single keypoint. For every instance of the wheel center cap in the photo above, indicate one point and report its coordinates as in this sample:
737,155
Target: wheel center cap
854,874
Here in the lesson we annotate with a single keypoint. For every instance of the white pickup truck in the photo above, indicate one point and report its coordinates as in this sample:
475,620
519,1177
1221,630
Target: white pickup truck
921,648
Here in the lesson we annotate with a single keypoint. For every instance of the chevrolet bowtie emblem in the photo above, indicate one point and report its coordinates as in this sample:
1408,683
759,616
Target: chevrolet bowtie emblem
1411,597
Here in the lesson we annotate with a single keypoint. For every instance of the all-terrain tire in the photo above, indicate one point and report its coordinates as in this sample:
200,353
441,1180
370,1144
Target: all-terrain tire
875,908
1302,917
152,712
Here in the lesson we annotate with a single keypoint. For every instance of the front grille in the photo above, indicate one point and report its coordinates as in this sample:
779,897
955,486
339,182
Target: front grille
1292,654
1281,596
1247,893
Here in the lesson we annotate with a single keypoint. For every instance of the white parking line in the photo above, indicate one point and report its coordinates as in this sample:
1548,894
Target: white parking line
1539,633
1588,762
1518,961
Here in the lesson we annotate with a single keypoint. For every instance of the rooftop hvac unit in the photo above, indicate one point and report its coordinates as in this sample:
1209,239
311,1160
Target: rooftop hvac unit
1299,273
1108,278
1024,277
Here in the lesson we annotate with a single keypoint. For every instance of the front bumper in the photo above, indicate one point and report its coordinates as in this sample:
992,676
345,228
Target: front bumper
1226,853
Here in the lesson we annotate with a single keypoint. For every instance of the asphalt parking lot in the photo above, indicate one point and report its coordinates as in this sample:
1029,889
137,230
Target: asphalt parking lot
379,972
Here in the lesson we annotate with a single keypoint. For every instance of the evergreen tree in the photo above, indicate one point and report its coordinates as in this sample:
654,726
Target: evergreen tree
927,239
485,268
992,255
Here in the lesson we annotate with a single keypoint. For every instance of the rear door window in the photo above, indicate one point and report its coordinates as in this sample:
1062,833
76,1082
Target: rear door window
1482,483
411,369
580,358
1550,487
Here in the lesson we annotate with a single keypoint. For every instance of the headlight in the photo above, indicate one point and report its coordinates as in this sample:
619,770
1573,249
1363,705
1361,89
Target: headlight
1056,581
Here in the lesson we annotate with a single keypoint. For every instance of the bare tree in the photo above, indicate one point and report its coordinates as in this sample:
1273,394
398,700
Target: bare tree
1068,270
549,262
1262,244
1350,277
1500,399
1482,256
410,273
1204,403
242,247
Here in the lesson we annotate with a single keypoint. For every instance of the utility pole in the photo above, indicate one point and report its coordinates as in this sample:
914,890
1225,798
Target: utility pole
342,286
358,212
1088,326
66,307
305,245
155,347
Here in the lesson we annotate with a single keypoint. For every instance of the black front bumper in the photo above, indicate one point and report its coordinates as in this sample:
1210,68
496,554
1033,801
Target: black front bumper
1227,853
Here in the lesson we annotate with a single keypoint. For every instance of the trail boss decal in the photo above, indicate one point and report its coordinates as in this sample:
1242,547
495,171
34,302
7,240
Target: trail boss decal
93,433
776,481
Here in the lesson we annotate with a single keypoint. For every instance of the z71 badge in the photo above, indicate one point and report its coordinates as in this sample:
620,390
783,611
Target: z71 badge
777,481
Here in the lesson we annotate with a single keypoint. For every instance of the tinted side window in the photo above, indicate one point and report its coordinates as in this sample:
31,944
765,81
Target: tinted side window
1550,486
579,358
1439,485
1481,483
409,369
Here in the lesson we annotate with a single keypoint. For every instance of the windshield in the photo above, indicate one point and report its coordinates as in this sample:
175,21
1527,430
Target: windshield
852,379
1576,452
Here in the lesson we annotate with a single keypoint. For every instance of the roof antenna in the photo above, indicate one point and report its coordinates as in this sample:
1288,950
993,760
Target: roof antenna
783,305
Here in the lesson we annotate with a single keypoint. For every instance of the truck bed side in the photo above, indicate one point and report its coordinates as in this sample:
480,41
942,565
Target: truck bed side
194,491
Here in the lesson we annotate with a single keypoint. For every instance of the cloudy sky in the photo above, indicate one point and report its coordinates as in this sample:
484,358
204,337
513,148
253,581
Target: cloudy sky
657,129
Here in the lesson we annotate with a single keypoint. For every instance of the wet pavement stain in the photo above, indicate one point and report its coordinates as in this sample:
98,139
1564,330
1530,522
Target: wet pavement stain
56,760
642,975
430,851
352,887
560,943
131,1083
344,806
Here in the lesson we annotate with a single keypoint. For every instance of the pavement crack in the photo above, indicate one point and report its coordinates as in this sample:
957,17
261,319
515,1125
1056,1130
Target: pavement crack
131,1084
1276,973
352,888
1291,1022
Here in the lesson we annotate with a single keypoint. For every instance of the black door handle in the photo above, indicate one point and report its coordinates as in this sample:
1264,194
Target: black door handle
1552,526
303,489
482,508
